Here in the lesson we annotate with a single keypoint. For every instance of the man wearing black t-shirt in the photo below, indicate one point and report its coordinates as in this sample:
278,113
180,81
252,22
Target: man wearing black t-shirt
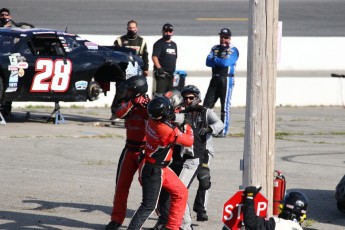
164,57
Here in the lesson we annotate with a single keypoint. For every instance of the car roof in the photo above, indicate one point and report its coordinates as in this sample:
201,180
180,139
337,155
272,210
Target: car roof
30,31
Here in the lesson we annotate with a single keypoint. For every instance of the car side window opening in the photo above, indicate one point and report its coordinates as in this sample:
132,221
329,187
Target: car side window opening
72,43
45,46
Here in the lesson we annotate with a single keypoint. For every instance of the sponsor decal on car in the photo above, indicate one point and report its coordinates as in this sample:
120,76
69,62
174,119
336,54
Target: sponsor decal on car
21,72
12,68
13,80
133,70
91,45
81,85
23,65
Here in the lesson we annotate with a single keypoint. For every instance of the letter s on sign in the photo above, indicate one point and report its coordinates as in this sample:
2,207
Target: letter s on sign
228,209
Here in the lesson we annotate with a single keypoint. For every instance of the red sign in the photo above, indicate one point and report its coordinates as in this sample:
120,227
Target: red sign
232,211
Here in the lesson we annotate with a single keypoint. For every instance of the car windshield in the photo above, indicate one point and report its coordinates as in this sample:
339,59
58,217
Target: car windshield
7,42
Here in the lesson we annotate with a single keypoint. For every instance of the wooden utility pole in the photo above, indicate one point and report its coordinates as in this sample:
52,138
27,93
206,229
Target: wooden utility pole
258,155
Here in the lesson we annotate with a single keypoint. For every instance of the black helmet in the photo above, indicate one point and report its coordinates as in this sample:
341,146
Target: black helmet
194,90
175,98
138,84
340,195
160,108
294,207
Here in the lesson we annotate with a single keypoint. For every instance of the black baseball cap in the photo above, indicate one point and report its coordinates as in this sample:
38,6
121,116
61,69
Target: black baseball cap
225,32
5,10
167,26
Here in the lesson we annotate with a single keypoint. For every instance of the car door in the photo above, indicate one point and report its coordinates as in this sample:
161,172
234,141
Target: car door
48,73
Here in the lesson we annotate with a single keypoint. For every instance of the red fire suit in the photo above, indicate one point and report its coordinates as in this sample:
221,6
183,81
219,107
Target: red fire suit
136,119
155,175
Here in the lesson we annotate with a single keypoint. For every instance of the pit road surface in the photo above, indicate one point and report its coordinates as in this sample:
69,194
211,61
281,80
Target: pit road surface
63,176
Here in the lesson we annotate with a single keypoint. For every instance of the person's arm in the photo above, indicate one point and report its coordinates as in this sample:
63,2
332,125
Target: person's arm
156,51
250,219
118,42
124,109
145,56
185,138
156,62
210,58
214,121
230,58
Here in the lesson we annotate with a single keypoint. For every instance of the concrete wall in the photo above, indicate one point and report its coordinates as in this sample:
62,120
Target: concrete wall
321,54
296,53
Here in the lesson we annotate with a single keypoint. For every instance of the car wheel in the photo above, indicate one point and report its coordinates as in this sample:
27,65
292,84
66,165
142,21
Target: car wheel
94,90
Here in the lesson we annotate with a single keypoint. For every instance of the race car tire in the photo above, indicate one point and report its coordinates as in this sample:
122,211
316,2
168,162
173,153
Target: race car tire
94,90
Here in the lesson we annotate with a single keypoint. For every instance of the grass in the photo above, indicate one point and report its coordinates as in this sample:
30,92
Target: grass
308,223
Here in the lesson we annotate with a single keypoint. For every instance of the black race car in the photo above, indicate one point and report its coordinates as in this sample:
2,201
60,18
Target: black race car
52,66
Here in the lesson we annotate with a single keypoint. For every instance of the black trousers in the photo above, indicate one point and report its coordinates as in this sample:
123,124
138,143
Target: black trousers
164,84
120,94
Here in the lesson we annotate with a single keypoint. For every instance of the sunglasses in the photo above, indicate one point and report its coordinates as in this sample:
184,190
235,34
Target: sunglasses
190,98
4,15
225,37
168,31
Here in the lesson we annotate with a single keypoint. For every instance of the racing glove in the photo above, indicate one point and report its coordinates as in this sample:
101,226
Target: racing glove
140,101
251,191
204,131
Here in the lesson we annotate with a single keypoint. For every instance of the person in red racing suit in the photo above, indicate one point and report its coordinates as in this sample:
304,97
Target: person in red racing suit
154,174
134,110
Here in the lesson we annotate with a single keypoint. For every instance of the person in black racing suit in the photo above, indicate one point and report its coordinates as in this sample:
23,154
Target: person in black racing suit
293,212
133,41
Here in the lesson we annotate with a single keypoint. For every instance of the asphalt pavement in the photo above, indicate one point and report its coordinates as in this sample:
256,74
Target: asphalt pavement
309,18
63,176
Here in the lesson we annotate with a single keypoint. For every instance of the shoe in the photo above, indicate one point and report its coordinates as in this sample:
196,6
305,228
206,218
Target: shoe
113,116
219,135
201,216
112,225
117,121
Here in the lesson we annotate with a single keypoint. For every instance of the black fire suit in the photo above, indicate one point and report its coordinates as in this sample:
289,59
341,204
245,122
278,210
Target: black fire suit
138,44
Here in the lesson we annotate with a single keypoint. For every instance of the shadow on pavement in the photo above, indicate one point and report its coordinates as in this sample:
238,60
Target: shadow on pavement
28,220
41,117
35,221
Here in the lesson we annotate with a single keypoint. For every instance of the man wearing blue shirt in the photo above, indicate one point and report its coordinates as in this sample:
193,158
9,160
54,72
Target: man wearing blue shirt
222,59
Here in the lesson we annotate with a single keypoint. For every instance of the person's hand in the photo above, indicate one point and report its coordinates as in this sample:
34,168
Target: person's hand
160,71
146,73
141,101
204,131
251,191
192,108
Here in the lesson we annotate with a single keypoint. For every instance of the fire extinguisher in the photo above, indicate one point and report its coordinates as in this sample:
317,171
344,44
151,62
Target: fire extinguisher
279,188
